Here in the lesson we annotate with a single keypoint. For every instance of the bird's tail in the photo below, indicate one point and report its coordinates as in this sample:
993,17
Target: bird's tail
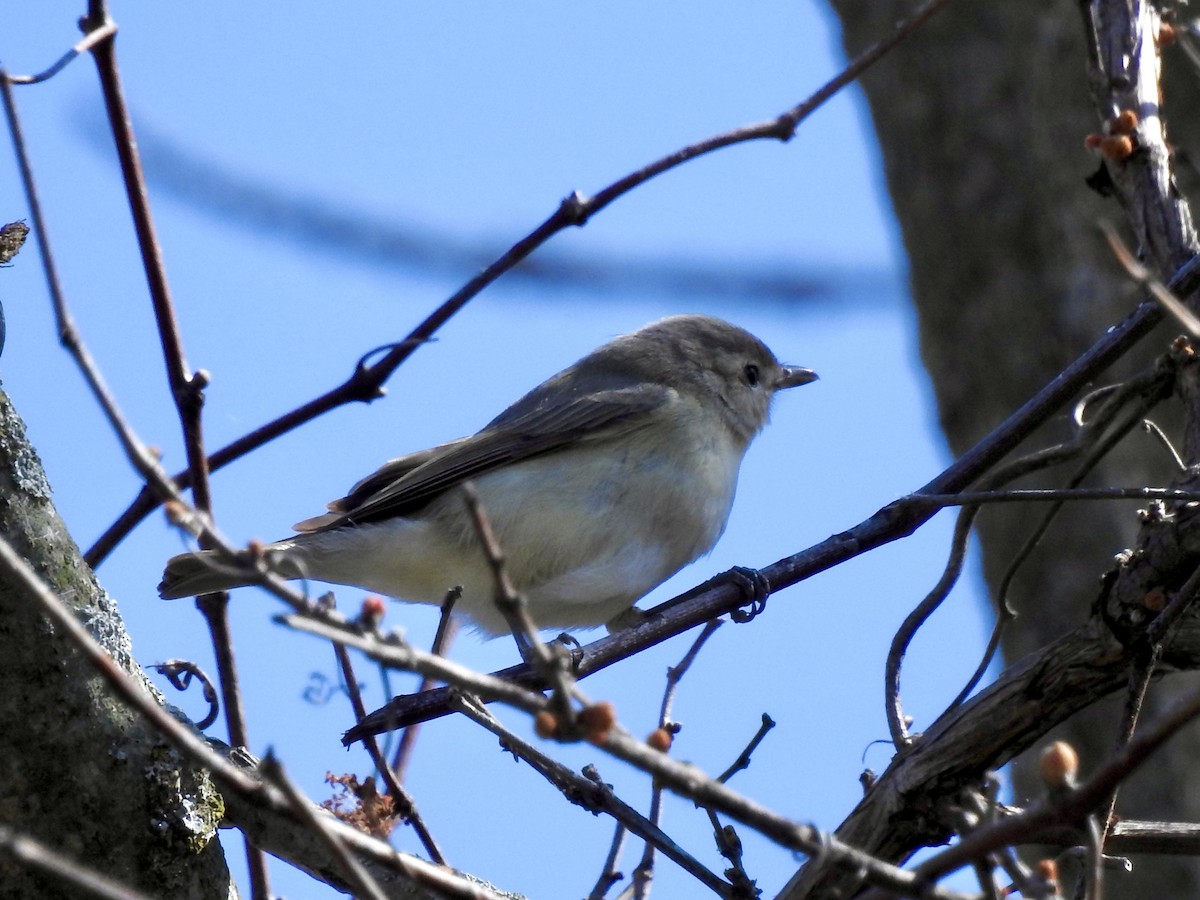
191,574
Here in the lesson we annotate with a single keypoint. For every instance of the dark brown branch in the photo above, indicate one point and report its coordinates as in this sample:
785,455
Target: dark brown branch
402,801
1072,809
982,734
187,388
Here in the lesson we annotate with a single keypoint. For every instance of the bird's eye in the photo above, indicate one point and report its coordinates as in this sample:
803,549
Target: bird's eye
751,371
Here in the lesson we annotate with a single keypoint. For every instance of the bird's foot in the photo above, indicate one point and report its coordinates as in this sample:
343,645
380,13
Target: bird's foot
756,588
626,619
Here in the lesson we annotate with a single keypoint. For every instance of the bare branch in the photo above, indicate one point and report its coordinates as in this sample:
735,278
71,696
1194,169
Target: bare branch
402,800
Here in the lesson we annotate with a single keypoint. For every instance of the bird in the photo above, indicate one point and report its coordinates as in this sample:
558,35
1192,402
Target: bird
599,484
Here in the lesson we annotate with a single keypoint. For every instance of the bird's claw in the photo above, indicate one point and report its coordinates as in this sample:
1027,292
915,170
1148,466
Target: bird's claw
756,588
572,647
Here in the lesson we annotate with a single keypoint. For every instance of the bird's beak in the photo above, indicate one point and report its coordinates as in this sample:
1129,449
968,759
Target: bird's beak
794,376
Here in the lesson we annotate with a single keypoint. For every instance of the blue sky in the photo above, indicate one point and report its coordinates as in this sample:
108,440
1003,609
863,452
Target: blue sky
466,123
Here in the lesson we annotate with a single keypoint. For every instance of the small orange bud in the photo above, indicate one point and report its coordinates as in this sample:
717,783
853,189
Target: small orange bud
660,739
1092,141
255,548
1166,34
373,606
545,724
372,611
1124,122
598,717
1116,147
1059,764
597,738
1154,600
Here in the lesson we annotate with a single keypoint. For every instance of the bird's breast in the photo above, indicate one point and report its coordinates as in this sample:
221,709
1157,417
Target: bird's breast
635,507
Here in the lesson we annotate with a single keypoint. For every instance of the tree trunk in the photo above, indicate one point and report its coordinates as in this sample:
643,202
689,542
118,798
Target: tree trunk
78,771
981,120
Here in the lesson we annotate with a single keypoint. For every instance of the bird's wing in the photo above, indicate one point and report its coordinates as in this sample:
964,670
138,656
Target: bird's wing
391,471
405,484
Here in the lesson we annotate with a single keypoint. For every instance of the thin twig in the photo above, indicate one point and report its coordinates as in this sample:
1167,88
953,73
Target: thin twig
515,610
643,872
902,639
609,875
675,673
402,801
186,387
89,40
508,600
743,758
442,639
1140,677
729,845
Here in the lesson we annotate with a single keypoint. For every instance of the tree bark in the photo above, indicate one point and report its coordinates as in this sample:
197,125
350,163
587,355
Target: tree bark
79,772
981,120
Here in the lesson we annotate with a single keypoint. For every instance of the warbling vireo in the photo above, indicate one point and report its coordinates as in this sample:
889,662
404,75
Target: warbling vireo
599,485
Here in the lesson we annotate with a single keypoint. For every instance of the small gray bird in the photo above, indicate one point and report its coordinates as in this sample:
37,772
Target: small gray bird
599,484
